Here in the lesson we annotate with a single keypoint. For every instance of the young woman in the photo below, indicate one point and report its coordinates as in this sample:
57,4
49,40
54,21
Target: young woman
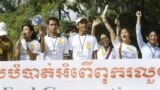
123,49
149,49
27,47
105,50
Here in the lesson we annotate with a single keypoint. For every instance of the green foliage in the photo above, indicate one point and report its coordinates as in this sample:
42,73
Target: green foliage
16,14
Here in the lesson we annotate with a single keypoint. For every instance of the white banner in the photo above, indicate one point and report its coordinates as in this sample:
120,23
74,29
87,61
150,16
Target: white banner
80,75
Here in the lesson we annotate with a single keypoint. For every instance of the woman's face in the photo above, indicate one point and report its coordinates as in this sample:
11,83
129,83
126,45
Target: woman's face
152,38
125,37
104,40
27,32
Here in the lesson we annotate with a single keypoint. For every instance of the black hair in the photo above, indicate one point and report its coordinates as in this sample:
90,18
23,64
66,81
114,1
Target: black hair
152,30
31,28
108,36
54,19
127,29
71,28
99,36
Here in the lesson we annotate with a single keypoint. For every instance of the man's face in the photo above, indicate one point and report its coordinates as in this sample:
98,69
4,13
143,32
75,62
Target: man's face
82,25
53,26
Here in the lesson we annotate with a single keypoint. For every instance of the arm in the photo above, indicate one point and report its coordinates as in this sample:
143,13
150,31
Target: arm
94,55
17,51
94,25
70,47
42,45
138,30
95,48
109,28
42,38
66,49
31,54
118,27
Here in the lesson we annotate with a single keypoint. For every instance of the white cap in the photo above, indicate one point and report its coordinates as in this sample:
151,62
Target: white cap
80,19
3,29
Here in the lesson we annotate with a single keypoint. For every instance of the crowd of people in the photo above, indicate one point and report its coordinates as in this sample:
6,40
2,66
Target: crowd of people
78,45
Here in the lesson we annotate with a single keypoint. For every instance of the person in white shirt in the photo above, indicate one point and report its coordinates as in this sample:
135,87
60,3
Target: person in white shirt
27,47
149,49
123,49
83,46
54,46
105,50
70,31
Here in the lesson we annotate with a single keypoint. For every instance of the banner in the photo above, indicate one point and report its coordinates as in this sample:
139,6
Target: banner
80,75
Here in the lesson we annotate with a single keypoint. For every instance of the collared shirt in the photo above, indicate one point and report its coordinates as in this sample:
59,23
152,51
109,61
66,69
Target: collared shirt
147,50
55,48
82,46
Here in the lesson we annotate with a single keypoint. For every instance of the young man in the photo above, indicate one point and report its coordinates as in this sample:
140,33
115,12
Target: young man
6,46
54,46
83,46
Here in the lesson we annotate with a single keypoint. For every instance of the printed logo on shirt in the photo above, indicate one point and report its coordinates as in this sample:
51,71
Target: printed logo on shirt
59,41
1,51
104,52
31,47
129,49
87,45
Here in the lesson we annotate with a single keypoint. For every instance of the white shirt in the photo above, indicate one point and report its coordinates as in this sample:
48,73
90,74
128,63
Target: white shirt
127,51
147,50
102,53
33,46
82,46
55,48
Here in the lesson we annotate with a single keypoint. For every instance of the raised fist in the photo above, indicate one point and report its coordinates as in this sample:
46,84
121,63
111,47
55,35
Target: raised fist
138,14
117,22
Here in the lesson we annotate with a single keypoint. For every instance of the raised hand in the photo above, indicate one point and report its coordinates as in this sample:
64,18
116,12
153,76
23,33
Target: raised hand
117,22
138,14
104,13
42,32
96,22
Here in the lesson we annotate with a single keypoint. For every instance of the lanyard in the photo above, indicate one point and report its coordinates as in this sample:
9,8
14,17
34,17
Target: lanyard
54,44
108,54
153,53
82,45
